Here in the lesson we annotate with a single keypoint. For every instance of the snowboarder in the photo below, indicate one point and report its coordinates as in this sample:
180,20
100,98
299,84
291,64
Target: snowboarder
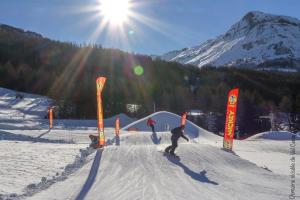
95,142
151,123
176,134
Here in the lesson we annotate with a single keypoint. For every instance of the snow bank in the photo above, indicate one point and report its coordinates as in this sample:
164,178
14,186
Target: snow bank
29,167
274,135
19,137
25,106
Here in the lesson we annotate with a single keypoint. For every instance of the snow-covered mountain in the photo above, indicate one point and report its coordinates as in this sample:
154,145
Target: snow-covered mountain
258,39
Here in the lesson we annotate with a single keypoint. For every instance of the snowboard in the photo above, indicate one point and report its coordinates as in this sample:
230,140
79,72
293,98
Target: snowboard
169,156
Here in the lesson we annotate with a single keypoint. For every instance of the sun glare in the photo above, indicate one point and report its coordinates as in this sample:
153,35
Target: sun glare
118,23
115,11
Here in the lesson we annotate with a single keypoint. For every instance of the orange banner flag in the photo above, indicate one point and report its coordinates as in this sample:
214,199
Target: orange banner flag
117,126
100,82
183,119
50,118
230,119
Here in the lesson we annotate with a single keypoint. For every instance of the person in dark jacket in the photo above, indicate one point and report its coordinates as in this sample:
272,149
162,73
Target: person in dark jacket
176,134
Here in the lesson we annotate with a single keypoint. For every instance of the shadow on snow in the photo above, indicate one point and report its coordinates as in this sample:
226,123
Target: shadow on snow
92,175
201,176
18,137
155,139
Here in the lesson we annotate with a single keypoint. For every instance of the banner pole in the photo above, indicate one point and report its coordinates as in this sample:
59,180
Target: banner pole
230,119
100,82
50,118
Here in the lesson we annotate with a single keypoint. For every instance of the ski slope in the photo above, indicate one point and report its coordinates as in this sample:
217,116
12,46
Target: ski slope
36,163
140,171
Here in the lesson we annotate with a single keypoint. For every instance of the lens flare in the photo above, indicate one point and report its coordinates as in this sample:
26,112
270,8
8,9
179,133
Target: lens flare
131,32
138,70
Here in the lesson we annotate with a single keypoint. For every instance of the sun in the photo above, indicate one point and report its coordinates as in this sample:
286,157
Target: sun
115,12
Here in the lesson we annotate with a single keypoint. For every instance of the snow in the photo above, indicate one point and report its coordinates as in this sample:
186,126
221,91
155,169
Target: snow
27,161
256,38
31,106
142,172
274,135
124,120
36,163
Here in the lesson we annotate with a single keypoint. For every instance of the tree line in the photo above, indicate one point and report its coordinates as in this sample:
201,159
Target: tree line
67,72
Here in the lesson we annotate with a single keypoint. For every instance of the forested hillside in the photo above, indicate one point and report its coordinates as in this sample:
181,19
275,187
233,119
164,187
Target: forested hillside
67,73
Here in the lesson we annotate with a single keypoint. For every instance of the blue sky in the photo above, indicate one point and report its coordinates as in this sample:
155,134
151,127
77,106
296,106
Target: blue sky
171,24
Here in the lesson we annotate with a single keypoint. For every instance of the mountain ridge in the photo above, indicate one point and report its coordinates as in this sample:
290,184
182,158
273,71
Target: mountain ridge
258,39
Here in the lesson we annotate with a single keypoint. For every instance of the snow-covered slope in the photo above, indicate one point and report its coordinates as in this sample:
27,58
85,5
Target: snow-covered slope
27,111
257,39
274,135
270,150
137,168
25,107
142,172
37,163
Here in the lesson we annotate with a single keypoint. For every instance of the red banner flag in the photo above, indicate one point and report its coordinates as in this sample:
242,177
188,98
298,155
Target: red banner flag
100,84
230,118
117,126
183,119
50,118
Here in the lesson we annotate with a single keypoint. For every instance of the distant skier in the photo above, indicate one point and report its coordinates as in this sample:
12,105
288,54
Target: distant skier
176,134
151,123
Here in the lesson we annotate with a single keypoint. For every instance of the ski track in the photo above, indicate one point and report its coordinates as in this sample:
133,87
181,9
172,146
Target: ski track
142,172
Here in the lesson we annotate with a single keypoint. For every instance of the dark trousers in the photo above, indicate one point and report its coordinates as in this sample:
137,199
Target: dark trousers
152,127
171,149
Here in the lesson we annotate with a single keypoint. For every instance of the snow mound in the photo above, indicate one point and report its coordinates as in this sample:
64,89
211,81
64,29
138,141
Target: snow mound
20,105
166,121
124,120
274,135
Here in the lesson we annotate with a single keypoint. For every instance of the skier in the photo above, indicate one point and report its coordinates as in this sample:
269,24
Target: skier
176,134
151,123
